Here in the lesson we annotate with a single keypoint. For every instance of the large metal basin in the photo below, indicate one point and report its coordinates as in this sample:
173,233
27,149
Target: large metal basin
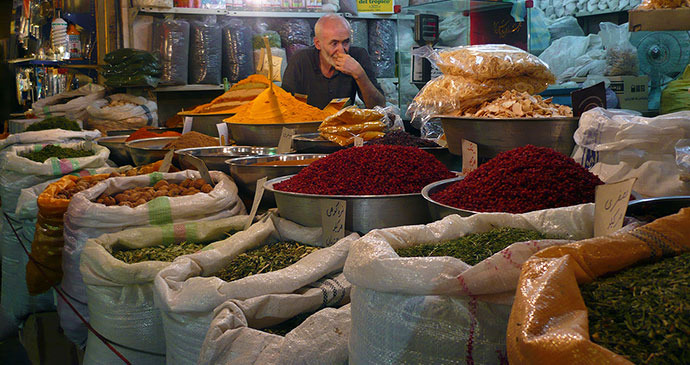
314,143
438,210
148,150
215,157
206,123
363,212
653,208
118,151
122,132
249,134
494,136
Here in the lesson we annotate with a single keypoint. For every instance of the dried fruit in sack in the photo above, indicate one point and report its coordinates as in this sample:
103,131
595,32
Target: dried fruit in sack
82,184
191,140
54,123
141,195
58,152
343,126
513,104
267,258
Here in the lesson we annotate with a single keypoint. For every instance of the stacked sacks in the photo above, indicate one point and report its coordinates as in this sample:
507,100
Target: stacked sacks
71,104
122,111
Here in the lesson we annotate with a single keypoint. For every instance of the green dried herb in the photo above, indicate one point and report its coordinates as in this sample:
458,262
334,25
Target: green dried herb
56,151
643,312
165,253
283,328
264,259
473,248
54,123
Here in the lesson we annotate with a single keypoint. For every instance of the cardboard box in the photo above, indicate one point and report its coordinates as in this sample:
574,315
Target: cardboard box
632,91
659,19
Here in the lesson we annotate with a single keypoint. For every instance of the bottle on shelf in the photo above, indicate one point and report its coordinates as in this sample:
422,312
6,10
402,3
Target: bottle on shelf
58,36
74,42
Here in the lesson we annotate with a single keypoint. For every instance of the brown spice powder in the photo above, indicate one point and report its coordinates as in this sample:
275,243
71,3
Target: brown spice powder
191,140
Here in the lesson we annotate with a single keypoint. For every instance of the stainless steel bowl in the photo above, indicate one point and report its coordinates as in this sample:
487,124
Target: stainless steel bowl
245,173
122,132
148,150
363,212
438,210
653,208
266,134
215,157
118,151
494,136
314,143
452,162
206,123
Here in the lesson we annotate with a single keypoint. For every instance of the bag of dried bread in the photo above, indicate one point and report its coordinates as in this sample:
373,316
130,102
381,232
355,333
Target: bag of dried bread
601,301
621,55
95,211
343,126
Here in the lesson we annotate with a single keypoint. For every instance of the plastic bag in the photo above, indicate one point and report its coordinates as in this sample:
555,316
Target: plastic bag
120,295
676,95
348,7
320,339
548,323
565,26
454,30
128,67
47,136
360,33
238,60
621,56
187,294
205,53
343,126
85,219
295,31
279,58
382,47
171,46
436,310
564,55
539,36
273,40
74,107
122,111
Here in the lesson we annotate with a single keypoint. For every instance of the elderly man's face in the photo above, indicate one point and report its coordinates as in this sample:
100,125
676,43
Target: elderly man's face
333,39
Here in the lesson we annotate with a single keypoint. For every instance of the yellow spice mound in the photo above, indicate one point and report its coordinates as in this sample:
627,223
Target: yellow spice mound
290,110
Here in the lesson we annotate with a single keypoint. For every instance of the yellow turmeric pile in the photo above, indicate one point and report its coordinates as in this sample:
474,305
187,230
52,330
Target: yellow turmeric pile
239,94
291,109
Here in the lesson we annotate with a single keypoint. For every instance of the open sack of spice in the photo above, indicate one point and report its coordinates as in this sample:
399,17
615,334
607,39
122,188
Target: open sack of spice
616,299
57,130
121,111
129,202
343,126
242,332
71,104
616,145
118,270
441,292
273,257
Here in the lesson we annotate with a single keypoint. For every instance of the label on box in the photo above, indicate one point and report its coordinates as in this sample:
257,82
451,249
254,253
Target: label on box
285,143
332,220
469,156
187,125
313,4
375,6
223,133
610,205
257,200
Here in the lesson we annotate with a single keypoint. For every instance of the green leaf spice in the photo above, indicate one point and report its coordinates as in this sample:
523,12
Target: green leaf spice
264,259
283,328
643,312
473,248
54,123
165,253
56,151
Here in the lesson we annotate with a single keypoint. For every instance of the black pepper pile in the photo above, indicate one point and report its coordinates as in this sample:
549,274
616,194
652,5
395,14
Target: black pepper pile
402,138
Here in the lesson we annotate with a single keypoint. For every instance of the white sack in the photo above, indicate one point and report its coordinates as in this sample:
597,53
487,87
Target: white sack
74,108
47,136
137,109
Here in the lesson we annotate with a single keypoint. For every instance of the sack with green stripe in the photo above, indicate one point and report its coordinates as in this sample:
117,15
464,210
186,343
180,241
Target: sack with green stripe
47,136
87,219
118,270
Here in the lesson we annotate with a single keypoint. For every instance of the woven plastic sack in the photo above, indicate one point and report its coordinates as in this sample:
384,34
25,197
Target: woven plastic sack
548,322
85,219
171,46
120,295
75,102
621,55
232,337
122,111
187,293
295,31
436,310
360,33
47,136
238,57
205,53
676,95
382,46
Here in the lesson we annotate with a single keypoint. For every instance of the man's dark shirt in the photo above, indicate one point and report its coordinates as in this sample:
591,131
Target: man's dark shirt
303,76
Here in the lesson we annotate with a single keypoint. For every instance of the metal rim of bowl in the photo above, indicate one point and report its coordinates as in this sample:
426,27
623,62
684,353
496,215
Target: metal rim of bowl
130,143
274,124
428,188
188,150
657,200
109,138
304,137
234,161
484,119
269,186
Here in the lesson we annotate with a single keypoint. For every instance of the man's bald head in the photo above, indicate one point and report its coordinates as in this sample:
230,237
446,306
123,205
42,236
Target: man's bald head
329,21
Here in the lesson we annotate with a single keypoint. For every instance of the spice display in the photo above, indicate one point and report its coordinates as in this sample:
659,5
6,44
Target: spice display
346,124
165,253
643,312
303,162
144,132
664,4
264,259
239,94
402,138
283,328
192,139
513,104
54,123
57,152
522,180
141,195
368,170
473,248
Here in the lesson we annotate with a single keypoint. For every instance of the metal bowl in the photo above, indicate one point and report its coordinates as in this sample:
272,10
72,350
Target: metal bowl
118,151
122,132
438,210
653,208
215,157
494,136
245,173
452,162
148,150
363,212
266,134
206,123
314,143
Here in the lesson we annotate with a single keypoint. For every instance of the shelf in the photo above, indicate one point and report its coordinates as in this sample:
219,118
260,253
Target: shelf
53,63
260,14
187,11
600,12
454,6
193,87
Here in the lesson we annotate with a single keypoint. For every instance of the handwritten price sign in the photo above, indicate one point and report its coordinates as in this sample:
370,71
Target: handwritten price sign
469,156
332,220
285,143
611,203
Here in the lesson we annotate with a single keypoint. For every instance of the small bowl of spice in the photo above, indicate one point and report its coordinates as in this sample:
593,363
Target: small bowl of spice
148,150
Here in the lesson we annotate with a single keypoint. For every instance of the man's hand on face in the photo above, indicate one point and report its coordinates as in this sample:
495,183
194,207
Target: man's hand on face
344,63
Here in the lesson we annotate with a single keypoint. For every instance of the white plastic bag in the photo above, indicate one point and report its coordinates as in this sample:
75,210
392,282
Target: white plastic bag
439,310
133,112
120,295
187,294
621,56
616,145
47,136
85,219
563,52
74,108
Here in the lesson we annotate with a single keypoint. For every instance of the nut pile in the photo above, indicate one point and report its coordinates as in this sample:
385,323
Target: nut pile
141,195
513,104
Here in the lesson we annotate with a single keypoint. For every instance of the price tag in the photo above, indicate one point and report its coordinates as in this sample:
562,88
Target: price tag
285,143
332,220
200,166
167,161
611,202
187,125
359,141
442,142
469,156
257,200
223,133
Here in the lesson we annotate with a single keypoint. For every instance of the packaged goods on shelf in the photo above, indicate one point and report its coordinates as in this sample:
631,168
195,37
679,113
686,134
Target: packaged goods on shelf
360,33
171,46
295,32
621,56
382,46
343,126
122,111
128,67
205,53
279,59
238,59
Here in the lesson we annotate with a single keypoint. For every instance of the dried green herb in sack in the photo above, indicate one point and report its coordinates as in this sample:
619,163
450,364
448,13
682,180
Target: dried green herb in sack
283,328
264,259
165,253
54,123
56,151
643,312
473,248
